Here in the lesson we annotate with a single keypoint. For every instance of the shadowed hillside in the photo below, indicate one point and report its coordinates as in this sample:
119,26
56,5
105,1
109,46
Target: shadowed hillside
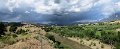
26,36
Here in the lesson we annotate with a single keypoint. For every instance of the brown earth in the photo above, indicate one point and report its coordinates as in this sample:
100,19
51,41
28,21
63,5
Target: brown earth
29,41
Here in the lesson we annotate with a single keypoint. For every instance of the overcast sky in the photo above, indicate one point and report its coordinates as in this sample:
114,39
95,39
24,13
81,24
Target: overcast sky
57,11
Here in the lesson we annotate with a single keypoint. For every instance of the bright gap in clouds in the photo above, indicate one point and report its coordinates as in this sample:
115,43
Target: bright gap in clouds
57,11
49,6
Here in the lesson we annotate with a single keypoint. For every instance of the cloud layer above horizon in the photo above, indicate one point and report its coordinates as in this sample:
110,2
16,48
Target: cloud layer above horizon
57,11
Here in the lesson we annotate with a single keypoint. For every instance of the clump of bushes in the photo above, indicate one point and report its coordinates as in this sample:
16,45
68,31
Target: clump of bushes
2,29
13,28
105,32
57,44
21,31
8,40
51,37
94,44
117,45
102,46
81,42
36,37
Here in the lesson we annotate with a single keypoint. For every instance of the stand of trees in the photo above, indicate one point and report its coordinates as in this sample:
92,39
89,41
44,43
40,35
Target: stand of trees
2,28
105,32
57,44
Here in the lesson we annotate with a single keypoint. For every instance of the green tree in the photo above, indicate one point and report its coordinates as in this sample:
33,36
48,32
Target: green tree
117,45
13,28
98,34
119,36
2,28
20,31
51,37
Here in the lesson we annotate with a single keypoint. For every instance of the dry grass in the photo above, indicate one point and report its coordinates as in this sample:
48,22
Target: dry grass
29,44
95,43
28,41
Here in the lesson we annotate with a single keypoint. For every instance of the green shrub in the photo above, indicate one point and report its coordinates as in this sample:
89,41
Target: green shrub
102,46
51,37
24,48
8,40
21,31
94,44
90,45
2,29
13,29
81,41
14,35
37,37
117,45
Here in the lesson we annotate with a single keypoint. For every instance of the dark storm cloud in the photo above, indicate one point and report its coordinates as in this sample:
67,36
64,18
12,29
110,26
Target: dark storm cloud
57,11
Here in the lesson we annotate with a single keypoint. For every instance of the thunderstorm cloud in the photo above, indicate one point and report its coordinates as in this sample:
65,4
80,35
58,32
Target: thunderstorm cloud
58,11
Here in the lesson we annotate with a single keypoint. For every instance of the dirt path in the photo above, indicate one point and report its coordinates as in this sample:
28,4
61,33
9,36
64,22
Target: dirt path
68,42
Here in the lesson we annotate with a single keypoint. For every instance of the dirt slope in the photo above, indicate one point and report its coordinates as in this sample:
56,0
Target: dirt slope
29,41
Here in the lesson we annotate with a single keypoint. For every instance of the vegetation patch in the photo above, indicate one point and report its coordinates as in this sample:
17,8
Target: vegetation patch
105,32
